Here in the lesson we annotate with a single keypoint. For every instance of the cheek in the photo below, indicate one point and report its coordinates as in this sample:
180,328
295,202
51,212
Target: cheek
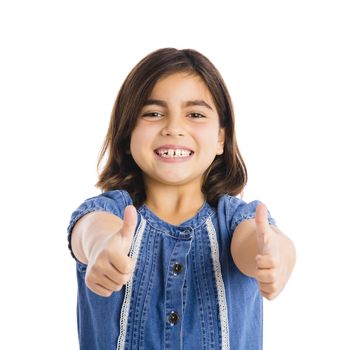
142,139
208,136
135,143
139,136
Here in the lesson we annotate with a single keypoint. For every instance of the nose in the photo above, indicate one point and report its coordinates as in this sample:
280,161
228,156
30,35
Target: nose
173,127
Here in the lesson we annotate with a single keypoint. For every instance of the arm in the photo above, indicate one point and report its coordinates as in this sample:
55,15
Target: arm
91,228
262,251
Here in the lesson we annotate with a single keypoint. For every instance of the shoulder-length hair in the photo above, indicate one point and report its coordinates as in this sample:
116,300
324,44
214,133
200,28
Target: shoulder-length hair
226,175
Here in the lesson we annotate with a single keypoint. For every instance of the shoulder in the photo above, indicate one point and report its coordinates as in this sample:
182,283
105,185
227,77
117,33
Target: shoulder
234,210
113,202
232,206
118,196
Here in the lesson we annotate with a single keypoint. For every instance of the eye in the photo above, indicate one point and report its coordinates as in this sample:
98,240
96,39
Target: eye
196,115
152,115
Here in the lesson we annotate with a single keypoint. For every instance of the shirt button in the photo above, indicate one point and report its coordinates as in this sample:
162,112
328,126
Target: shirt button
177,268
173,317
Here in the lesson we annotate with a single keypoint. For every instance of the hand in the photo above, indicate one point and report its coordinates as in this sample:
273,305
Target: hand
109,266
270,274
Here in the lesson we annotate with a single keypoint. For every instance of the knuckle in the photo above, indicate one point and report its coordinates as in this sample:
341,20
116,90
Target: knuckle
96,267
268,295
275,275
118,287
272,296
121,279
268,289
88,284
89,279
98,263
274,261
272,276
259,275
271,288
126,267
274,287
93,285
105,294
259,263
108,294
125,278
130,266
102,291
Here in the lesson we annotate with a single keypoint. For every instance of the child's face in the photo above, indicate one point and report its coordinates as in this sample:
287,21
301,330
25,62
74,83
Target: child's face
172,142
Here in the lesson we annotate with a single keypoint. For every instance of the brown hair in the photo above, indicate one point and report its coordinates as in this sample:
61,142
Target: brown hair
226,174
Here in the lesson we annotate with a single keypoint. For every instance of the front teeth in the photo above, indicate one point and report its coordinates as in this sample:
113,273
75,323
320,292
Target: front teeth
172,153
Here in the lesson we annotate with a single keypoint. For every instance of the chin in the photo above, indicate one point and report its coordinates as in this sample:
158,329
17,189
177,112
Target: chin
176,180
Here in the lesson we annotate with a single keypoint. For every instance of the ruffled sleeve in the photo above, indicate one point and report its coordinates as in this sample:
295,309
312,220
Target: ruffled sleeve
237,210
113,202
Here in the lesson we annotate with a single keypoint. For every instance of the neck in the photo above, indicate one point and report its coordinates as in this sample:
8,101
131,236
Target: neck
174,204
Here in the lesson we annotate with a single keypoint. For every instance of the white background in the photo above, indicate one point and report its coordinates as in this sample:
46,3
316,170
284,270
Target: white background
286,64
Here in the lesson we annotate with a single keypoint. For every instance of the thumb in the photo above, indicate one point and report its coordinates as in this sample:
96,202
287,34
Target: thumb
263,230
129,224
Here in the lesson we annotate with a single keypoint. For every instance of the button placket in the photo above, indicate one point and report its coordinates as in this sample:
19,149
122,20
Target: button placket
174,293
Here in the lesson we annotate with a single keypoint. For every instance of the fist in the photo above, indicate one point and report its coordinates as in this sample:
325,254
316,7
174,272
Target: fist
109,266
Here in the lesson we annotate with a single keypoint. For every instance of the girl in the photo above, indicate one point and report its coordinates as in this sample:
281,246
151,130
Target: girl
167,256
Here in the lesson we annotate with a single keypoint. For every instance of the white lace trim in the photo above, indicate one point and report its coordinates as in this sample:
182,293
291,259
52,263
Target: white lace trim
134,252
219,285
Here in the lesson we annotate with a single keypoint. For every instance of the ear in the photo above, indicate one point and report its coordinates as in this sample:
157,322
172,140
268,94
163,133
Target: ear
221,141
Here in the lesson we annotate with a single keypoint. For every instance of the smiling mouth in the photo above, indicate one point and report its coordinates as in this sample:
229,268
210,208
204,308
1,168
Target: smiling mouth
173,153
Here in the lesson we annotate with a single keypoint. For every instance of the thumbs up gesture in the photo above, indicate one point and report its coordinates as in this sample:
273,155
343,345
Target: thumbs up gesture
109,266
271,273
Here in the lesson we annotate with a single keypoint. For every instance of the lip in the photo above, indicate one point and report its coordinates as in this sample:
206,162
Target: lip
175,159
174,147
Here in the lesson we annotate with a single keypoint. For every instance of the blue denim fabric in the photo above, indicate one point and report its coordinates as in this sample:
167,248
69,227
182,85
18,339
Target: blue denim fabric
216,306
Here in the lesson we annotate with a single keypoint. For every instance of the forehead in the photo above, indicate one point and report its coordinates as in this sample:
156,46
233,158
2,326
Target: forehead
182,86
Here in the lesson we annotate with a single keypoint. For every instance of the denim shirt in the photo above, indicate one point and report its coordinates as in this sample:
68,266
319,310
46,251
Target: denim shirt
185,293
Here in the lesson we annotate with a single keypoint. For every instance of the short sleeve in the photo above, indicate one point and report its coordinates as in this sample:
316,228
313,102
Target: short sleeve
237,210
113,202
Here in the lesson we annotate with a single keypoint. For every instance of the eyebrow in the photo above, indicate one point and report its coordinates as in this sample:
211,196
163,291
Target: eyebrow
185,104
